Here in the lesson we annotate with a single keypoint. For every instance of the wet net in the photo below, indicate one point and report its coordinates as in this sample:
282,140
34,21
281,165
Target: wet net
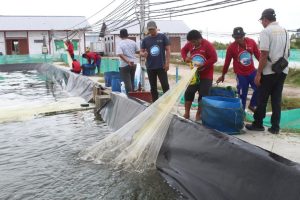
136,145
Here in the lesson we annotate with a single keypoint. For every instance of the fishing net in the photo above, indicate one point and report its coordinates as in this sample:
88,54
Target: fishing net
136,145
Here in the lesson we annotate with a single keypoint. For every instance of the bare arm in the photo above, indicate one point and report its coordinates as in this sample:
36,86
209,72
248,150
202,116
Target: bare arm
262,63
125,59
168,52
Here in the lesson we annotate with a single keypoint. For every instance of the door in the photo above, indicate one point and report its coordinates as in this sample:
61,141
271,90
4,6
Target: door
175,44
17,46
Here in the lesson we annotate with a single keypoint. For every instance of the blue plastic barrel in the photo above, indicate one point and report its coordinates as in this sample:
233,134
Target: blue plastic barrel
108,77
88,69
223,114
115,84
223,91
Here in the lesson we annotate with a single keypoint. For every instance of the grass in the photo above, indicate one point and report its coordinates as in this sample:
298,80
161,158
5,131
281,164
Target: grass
288,103
293,77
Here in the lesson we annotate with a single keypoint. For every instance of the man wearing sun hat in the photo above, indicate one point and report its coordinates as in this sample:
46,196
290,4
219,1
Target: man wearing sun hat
156,49
241,51
274,43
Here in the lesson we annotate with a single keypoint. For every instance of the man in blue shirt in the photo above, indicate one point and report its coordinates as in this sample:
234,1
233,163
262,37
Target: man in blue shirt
156,49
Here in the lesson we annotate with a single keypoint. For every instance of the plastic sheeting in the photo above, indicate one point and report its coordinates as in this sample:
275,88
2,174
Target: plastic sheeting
290,120
205,164
75,84
120,110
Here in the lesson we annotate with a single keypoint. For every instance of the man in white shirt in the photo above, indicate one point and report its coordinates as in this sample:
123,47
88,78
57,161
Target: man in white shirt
274,43
126,50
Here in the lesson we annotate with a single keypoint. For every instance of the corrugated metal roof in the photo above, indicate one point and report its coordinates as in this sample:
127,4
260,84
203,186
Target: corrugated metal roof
8,23
165,26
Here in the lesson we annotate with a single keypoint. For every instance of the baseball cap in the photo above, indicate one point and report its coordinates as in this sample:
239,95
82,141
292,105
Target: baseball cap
268,13
151,25
238,32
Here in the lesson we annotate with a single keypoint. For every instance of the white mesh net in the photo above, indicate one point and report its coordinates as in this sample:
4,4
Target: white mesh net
136,145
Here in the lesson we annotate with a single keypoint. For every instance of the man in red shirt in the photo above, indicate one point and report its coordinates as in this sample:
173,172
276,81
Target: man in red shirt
203,56
93,58
76,68
70,48
241,51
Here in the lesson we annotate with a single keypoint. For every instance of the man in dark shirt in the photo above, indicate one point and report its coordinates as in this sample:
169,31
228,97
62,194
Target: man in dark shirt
156,49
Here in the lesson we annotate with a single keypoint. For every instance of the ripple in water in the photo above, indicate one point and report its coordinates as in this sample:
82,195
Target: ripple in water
39,160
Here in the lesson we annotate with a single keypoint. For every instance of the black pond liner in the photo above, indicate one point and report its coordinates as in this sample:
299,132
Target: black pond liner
204,164
200,163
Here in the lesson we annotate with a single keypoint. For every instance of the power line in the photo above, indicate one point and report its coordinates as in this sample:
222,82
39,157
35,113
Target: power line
166,15
94,14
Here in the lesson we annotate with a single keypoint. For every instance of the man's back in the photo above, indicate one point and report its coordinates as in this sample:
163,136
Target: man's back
273,39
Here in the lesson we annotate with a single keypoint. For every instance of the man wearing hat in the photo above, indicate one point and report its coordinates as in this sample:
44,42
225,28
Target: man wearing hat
156,49
241,51
274,43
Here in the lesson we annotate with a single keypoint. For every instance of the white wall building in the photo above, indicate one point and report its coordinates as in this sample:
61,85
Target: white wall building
24,35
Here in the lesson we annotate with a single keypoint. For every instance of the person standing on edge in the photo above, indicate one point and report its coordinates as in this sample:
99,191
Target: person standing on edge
93,58
241,51
203,55
70,48
274,43
126,50
156,49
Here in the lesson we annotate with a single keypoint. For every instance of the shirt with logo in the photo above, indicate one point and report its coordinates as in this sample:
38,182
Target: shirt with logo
242,57
205,54
156,47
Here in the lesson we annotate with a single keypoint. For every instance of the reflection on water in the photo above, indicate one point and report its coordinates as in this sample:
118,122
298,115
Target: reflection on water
39,160
39,157
26,94
27,88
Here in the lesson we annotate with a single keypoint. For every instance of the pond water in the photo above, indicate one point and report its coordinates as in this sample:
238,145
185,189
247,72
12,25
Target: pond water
39,157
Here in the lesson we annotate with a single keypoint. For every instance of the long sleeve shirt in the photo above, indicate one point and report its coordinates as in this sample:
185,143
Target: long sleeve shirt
205,53
70,47
92,56
242,57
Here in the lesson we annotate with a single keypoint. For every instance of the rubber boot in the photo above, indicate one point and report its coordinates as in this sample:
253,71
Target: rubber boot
187,107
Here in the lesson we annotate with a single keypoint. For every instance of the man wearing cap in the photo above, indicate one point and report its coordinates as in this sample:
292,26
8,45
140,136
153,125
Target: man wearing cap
274,43
241,51
156,49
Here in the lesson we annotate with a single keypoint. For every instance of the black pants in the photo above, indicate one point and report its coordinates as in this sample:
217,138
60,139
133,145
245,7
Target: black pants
127,76
163,78
271,85
202,88
72,56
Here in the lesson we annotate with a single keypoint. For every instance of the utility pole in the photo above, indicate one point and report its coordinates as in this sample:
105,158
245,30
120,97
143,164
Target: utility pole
142,35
